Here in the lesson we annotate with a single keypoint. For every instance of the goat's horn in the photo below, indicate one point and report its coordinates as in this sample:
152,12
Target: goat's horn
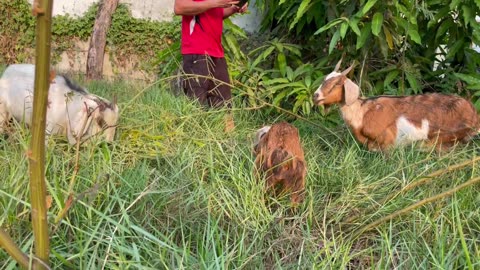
114,99
346,71
337,66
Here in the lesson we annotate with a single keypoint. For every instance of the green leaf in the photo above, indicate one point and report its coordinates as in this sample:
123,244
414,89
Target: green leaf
328,26
377,23
415,36
368,6
275,81
474,87
470,79
388,37
412,80
392,75
334,41
354,26
343,29
452,50
364,35
467,15
454,4
300,12
443,28
282,63
263,55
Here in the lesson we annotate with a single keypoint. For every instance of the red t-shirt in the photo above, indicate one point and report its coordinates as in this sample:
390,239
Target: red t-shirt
202,34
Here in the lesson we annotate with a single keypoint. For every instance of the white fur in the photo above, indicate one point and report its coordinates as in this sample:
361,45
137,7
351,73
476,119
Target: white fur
69,112
408,132
260,133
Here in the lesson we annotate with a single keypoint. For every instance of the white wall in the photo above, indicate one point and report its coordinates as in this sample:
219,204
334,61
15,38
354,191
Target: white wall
157,10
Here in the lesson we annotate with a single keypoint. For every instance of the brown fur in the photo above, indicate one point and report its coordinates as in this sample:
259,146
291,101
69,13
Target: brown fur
451,118
279,155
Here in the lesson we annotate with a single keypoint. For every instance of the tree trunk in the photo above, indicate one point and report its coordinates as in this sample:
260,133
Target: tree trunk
96,50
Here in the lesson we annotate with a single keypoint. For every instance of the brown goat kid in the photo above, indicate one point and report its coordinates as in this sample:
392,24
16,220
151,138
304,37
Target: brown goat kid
385,121
279,155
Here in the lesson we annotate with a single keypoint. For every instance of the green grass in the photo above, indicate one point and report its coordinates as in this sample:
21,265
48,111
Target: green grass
176,192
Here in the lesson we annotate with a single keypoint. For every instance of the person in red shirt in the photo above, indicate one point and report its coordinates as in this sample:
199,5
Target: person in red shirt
204,63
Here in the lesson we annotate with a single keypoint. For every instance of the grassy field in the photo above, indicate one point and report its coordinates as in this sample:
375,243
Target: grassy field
174,191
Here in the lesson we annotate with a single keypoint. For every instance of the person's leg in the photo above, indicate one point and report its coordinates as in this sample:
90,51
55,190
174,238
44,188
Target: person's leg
195,83
221,93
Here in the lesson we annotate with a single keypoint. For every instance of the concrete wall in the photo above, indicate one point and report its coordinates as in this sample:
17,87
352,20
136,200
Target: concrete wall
157,10
74,60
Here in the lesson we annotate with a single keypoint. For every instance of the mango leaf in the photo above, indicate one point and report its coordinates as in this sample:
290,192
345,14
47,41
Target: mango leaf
377,23
454,4
343,29
467,15
475,87
334,41
443,28
328,26
415,36
388,37
278,98
354,26
470,79
263,55
368,6
383,47
276,81
300,12
452,50
392,75
364,35
282,63
413,82
438,17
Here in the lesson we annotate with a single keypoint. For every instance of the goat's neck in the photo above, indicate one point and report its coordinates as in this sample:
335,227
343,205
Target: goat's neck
353,114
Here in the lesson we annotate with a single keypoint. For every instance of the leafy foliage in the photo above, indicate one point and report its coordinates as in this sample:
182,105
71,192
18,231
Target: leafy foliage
404,47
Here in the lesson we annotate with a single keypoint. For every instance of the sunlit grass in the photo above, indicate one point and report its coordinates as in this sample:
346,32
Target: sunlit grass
174,191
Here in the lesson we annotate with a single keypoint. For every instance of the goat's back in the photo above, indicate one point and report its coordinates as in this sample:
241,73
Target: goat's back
444,113
284,136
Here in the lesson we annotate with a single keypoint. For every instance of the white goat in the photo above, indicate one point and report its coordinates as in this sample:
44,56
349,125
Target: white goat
385,121
72,111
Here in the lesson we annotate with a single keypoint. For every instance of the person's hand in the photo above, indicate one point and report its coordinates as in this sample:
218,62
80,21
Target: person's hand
243,9
224,3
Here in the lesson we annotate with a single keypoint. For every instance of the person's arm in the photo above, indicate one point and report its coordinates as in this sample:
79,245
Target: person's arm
229,11
190,7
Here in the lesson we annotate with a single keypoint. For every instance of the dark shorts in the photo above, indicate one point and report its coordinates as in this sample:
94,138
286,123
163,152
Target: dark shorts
214,92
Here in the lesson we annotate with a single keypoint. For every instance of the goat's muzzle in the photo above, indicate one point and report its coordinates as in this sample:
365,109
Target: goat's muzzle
318,98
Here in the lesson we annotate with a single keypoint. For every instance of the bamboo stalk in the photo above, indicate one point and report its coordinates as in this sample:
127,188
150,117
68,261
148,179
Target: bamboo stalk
42,9
7,243
416,205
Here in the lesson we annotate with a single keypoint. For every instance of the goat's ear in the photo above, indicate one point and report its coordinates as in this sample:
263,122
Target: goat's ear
352,91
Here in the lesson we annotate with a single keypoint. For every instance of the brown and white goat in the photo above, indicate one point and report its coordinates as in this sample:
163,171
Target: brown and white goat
385,121
280,157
